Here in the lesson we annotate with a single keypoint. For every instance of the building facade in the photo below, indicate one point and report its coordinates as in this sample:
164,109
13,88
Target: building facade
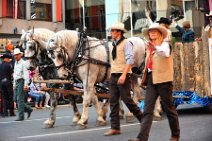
96,15
16,15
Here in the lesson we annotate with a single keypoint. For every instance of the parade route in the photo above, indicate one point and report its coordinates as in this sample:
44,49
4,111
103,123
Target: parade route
191,121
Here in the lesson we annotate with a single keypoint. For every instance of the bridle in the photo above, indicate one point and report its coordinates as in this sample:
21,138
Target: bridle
79,55
34,47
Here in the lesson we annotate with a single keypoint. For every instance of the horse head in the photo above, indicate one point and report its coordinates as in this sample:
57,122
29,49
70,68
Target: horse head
61,48
34,41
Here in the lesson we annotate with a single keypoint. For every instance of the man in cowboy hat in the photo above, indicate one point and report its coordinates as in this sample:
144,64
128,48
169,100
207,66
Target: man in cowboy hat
158,77
120,83
6,71
209,21
21,80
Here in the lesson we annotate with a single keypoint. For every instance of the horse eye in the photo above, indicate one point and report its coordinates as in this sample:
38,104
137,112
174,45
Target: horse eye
59,55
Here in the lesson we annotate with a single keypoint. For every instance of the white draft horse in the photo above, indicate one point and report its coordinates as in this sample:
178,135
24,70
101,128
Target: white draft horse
36,56
89,58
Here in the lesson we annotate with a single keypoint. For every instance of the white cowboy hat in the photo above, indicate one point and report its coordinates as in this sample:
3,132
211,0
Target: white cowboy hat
210,14
119,26
17,51
145,31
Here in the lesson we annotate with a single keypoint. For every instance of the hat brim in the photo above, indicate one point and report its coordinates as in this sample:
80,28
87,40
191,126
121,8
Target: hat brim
168,23
18,53
124,30
145,32
208,15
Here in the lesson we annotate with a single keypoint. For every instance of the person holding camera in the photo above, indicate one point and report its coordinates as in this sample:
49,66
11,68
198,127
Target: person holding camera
158,77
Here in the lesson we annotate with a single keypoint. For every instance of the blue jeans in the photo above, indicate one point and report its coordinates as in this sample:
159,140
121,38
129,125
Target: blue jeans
37,96
19,98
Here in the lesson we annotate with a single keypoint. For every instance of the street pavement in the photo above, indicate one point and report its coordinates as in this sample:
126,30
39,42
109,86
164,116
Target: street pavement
195,123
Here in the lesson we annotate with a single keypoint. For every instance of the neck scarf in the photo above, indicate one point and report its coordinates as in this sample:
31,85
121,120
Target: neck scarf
115,45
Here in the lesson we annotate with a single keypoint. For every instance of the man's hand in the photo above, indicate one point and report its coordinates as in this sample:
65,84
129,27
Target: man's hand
121,79
26,88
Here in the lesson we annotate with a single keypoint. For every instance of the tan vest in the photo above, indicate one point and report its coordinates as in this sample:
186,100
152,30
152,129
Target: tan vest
162,69
119,64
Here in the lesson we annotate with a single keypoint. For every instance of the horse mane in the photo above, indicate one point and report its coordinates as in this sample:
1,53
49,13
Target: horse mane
66,38
39,33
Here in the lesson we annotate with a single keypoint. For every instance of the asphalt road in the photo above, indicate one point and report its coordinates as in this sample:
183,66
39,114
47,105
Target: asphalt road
195,123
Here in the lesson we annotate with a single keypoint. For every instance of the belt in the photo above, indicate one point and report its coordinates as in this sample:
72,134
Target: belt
18,80
118,74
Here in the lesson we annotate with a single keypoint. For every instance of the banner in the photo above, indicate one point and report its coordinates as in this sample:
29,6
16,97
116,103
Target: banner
33,7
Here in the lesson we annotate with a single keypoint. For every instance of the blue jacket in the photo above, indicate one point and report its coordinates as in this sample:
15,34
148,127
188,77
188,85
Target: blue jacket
187,36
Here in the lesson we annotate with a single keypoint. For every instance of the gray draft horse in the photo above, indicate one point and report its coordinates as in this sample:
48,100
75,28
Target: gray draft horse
36,56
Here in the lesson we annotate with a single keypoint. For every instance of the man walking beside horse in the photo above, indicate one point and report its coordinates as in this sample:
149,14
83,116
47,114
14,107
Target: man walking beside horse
120,82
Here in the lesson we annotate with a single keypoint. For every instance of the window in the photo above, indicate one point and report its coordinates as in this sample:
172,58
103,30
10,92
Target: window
22,9
43,11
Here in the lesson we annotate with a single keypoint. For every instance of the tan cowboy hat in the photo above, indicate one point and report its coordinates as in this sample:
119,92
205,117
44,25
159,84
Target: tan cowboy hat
210,14
119,26
145,31
17,51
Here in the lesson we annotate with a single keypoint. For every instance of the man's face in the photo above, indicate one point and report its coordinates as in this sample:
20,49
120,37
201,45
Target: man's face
115,34
18,56
7,60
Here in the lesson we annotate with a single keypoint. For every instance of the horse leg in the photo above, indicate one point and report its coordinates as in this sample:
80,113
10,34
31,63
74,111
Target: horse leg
49,123
77,114
105,105
88,96
157,110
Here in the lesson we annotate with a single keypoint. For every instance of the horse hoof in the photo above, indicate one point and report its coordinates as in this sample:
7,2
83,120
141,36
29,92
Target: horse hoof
121,117
81,126
48,126
130,119
101,123
157,118
74,124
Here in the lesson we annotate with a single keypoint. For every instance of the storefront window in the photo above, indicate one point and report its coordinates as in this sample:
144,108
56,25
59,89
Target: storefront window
9,8
22,9
74,14
43,11
95,18
131,13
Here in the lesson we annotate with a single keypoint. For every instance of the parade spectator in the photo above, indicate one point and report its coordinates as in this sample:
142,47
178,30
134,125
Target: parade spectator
6,86
158,77
21,80
186,31
10,46
35,92
120,82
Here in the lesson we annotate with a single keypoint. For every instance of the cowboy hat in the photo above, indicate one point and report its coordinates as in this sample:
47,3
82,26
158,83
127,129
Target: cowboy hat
164,20
17,51
145,31
6,55
210,14
119,26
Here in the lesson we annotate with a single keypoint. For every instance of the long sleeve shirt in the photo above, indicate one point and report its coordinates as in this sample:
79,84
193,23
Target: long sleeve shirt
163,50
187,36
129,56
6,71
21,72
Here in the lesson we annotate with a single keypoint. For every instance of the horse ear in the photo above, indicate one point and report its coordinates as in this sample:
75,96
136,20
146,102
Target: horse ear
23,31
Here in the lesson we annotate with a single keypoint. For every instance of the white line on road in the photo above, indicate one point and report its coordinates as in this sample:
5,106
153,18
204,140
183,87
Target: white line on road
73,132
5,122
